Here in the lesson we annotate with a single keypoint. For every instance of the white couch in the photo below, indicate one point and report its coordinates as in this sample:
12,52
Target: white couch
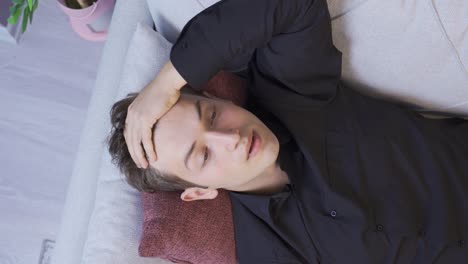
410,51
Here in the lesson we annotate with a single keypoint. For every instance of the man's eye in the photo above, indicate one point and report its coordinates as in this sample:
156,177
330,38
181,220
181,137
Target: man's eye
206,156
213,116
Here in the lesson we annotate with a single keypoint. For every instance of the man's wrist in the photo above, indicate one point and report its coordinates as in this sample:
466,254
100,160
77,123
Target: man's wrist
168,78
174,77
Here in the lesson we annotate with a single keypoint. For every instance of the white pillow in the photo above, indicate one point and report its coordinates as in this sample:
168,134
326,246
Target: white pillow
147,53
170,16
115,226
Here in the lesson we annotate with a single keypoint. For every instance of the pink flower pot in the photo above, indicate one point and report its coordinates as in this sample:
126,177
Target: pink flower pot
92,22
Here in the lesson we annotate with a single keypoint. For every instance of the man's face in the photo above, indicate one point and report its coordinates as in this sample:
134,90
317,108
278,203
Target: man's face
219,157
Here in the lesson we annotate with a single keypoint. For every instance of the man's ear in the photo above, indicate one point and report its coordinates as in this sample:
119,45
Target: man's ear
196,193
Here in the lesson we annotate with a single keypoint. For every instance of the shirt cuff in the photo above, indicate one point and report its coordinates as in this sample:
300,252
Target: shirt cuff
194,57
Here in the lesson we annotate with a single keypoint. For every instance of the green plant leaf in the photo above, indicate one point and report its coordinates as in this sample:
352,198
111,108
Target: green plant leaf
18,2
14,18
13,8
25,19
36,3
11,20
30,17
30,5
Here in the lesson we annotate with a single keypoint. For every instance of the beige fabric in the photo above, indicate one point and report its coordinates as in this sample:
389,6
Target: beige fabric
399,50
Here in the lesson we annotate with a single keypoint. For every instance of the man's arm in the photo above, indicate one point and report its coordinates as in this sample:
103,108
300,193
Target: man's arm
292,39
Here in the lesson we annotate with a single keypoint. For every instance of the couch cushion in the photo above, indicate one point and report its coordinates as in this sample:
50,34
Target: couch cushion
398,50
453,21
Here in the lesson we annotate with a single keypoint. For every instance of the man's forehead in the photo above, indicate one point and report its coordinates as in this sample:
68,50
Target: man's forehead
169,143
182,106
172,134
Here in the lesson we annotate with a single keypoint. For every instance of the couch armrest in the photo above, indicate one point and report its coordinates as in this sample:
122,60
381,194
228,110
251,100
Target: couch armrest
80,199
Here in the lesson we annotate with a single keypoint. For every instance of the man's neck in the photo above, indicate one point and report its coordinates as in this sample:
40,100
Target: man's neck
271,181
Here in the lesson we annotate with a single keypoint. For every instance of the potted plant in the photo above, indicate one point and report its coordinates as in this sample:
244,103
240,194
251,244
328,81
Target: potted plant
24,7
89,18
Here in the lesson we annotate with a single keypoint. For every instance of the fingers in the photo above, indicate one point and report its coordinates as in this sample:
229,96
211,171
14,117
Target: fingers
128,141
137,148
149,145
142,114
132,132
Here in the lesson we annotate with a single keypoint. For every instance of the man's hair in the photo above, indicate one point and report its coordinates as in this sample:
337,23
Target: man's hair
144,180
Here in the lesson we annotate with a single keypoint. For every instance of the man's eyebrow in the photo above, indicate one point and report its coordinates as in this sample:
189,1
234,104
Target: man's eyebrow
189,153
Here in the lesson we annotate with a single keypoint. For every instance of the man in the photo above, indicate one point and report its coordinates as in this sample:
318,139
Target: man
224,151
355,179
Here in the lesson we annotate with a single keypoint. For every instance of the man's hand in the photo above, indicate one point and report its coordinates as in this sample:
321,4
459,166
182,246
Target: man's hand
148,107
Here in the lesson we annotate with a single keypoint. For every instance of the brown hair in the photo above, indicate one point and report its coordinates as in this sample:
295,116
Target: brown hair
144,180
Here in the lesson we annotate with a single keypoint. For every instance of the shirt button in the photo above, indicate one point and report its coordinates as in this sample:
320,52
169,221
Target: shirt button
461,242
333,213
379,227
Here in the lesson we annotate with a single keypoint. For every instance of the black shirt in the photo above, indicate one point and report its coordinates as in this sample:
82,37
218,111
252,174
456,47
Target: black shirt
370,181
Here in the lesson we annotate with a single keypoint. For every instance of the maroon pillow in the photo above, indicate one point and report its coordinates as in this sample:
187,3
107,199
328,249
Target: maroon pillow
188,232
198,231
229,86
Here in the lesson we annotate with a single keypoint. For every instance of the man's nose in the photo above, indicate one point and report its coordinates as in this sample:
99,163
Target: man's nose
229,138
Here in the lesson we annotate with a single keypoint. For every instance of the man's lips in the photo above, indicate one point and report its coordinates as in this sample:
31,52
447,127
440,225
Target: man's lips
249,144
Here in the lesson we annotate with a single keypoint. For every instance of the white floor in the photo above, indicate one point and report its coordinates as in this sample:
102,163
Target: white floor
45,86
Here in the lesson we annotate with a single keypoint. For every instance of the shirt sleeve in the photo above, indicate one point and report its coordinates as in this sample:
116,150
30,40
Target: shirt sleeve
290,42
